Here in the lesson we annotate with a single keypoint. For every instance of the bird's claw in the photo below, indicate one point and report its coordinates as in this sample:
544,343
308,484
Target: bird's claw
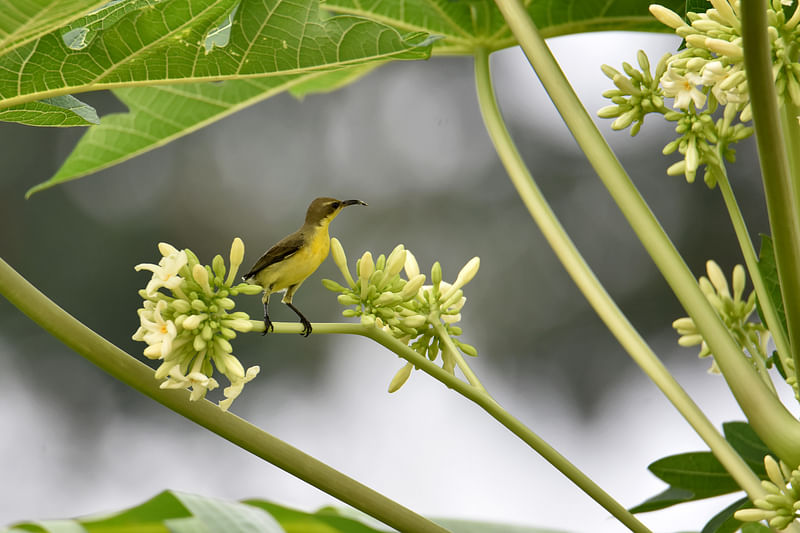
267,326
306,328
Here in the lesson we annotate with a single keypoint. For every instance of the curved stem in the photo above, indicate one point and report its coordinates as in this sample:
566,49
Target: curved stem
770,419
482,398
593,290
127,369
779,188
459,359
748,252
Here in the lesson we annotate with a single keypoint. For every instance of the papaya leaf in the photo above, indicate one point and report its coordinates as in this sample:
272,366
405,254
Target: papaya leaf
23,21
464,26
63,110
165,43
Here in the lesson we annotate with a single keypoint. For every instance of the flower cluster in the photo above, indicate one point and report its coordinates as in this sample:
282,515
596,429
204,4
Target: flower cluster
705,74
422,316
189,327
753,337
781,505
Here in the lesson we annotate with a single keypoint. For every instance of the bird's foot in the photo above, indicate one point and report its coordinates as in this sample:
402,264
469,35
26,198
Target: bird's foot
267,326
306,327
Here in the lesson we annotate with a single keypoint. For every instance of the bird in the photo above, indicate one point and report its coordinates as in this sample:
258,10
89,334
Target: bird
286,265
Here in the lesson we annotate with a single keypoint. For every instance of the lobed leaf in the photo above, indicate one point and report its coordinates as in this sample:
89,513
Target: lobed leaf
63,110
22,21
164,42
467,25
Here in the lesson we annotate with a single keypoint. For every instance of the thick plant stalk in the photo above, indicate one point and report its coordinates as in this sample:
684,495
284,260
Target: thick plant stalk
780,187
593,290
769,418
127,369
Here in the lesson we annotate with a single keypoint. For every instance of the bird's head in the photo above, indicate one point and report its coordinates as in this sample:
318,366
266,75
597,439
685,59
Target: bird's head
323,210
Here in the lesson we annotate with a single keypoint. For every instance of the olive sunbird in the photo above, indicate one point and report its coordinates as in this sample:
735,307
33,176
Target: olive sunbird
285,266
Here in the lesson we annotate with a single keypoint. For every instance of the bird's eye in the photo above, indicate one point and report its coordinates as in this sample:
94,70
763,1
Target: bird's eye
335,205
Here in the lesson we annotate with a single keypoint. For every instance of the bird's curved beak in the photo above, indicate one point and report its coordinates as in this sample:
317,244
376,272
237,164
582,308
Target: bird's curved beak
353,202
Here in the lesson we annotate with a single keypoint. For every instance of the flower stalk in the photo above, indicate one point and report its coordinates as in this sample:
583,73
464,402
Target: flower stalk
247,436
780,186
769,418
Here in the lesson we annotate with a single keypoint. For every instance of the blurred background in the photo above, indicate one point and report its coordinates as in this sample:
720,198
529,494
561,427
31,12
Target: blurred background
409,140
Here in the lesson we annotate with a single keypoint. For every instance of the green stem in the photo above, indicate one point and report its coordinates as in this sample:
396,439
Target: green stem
769,418
127,369
779,188
757,357
749,253
481,398
593,290
456,354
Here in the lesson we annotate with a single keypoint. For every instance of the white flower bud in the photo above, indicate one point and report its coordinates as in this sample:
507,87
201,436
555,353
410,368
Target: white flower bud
413,286
400,377
690,340
395,261
738,282
415,321
387,299
166,249
340,259
237,253
193,321
366,266
200,275
666,16
717,278
684,324
725,48
411,266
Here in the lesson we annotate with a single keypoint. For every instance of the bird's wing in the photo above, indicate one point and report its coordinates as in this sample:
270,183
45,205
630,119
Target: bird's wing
287,247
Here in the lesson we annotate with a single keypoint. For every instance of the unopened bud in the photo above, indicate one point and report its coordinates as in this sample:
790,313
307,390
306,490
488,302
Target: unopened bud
666,16
395,261
400,377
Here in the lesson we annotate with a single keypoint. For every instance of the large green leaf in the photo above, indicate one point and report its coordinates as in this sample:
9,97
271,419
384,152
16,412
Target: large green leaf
63,110
158,115
179,512
165,43
465,25
22,21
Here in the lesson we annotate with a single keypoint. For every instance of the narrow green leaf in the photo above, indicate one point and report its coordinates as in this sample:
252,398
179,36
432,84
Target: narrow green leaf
724,522
745,441
668,498
699,472
466,25
57,111
165,43
769,271
22,21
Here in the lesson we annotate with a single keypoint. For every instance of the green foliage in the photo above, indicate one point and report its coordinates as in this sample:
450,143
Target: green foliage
769,272
57,111
699,475
180,512
131,44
